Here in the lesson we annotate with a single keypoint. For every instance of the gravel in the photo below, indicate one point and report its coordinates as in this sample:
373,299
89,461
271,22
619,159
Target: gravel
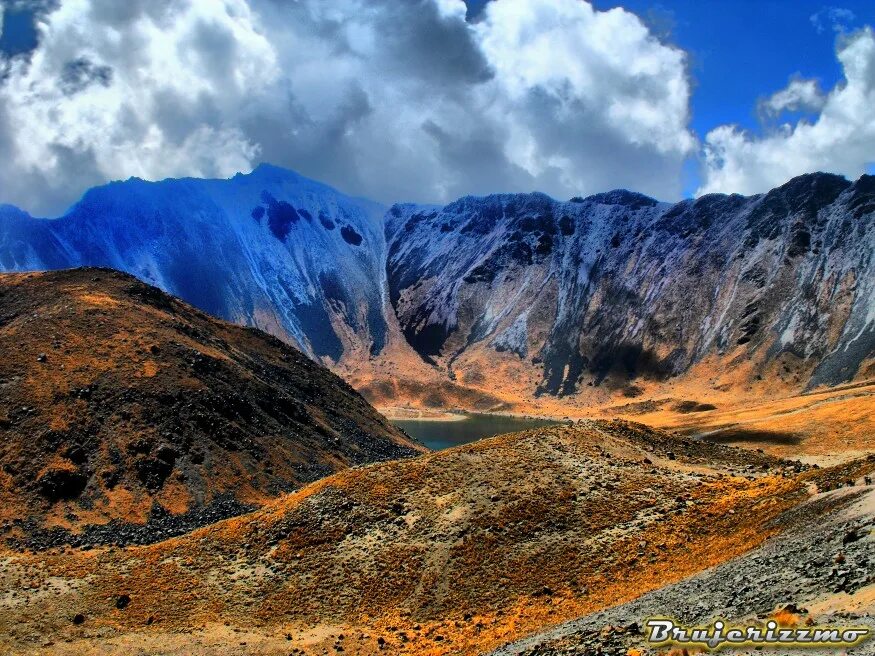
818,556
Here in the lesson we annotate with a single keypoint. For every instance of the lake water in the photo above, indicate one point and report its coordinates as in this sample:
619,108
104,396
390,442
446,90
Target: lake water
439,435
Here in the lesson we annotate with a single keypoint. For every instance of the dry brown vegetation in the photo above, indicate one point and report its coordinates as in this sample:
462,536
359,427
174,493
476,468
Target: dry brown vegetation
118,399
824,425
115,396
453,552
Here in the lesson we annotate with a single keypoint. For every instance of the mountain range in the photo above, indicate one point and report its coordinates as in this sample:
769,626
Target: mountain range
506,301
270,249
177,483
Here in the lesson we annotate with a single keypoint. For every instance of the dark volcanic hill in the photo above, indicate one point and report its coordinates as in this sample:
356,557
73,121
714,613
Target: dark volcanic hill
116,398
619,290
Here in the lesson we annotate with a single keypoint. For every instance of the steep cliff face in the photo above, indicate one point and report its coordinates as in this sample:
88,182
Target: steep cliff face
507,298
271,249
619,288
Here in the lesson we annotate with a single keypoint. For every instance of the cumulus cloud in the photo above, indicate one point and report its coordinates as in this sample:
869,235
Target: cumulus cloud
798,96
391,99
121,89
594,101
840,140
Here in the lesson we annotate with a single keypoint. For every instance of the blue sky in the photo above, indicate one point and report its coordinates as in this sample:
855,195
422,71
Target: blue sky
19,34
415,101
743,50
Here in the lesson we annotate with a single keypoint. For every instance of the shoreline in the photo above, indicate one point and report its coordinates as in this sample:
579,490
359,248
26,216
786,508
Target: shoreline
400,413
394,413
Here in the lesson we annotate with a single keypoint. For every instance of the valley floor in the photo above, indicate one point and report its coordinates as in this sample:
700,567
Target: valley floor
824,426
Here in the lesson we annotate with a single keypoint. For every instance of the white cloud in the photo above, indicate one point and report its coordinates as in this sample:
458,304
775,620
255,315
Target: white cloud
158,109
799,95
836,18
590,95
841,139
391,99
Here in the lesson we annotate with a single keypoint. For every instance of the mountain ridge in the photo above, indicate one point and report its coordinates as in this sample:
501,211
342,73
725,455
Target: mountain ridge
615,294
488,253
237,248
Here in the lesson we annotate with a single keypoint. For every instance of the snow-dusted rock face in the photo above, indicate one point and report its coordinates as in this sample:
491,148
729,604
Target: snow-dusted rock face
514,294
621,286
271,249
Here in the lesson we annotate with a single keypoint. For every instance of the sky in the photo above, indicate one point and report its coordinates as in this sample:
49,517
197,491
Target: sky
429,100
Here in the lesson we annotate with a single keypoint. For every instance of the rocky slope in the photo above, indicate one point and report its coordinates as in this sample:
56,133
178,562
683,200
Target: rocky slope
514,302
119,402
271,249
454,552
618,292
798,581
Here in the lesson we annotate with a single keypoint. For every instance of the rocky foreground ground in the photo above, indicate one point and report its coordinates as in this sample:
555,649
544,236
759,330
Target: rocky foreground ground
461,552
821,570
